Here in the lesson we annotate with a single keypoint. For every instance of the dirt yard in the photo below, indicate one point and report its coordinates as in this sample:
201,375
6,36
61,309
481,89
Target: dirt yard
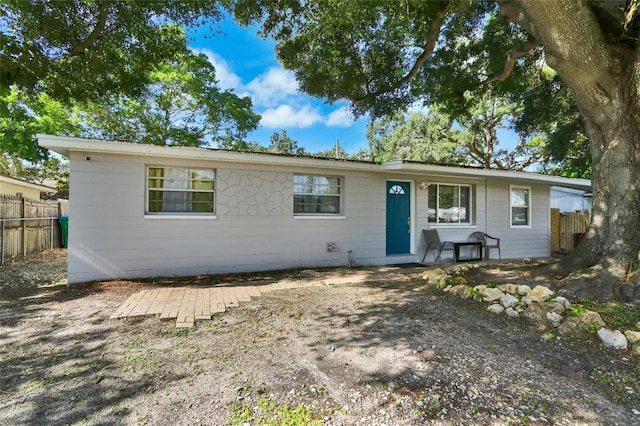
391,352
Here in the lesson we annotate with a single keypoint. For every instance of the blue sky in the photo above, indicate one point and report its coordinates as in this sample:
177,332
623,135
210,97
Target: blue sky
247,64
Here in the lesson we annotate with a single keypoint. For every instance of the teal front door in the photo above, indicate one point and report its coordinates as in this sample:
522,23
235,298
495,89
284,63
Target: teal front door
398,217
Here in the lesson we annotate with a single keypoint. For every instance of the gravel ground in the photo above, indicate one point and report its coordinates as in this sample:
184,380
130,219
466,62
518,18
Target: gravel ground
393,352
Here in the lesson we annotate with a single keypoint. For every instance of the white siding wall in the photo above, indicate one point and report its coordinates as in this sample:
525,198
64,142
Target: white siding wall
254,228
519,242
448,232
491,215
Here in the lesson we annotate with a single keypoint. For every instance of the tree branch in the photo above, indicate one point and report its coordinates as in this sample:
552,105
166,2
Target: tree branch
576,48
511,157
512,58
489,142
514,164
427,50
476,153
85,44
511,10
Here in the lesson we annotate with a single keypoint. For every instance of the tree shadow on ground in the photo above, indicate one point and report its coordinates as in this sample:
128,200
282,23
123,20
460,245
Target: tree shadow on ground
418,338
558,275
64,375
35,302
426,342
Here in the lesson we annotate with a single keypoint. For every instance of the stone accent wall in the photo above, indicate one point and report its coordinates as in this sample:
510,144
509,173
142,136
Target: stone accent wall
254,193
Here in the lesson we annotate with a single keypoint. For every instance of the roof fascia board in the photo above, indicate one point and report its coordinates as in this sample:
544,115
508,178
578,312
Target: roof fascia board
441,177
66,145
583,184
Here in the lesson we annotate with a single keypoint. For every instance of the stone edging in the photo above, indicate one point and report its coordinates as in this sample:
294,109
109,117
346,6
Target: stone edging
539,305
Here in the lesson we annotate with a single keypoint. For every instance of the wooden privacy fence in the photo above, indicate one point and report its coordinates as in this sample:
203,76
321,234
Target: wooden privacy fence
29,226
567,229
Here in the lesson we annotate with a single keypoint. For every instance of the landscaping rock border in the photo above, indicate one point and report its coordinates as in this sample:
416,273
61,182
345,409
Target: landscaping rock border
539,305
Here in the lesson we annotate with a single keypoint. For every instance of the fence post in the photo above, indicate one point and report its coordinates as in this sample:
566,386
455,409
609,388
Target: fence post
51,236
555,230
24,227
3,242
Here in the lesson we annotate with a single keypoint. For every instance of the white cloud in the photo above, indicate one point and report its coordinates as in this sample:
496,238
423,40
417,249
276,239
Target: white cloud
227,79
340,118
276,90
285,116
272,87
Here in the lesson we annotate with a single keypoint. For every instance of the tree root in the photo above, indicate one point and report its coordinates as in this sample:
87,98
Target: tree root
596,283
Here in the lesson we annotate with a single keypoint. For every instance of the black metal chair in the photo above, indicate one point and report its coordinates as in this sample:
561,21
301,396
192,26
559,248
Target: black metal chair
432,239
486,244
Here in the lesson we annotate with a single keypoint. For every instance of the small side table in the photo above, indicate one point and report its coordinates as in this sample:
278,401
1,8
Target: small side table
456,250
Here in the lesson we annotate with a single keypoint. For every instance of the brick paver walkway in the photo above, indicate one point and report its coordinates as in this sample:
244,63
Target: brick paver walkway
187,304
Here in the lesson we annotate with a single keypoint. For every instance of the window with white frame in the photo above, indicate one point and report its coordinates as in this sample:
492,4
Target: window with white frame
520,206
317,195
449,204
173,190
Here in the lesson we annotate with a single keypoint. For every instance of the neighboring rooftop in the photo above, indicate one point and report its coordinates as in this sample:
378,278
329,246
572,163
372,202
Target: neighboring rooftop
25,184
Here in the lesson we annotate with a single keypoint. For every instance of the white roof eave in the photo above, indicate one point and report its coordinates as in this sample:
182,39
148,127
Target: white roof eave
478,172
66,145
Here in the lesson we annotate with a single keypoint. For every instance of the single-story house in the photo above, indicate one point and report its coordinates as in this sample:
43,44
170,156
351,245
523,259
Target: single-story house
145,210
22,188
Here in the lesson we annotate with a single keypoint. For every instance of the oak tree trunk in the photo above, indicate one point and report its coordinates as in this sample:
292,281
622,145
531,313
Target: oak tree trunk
613,239
612,244
605,80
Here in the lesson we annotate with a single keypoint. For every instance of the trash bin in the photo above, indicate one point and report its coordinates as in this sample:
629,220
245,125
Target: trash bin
64,226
